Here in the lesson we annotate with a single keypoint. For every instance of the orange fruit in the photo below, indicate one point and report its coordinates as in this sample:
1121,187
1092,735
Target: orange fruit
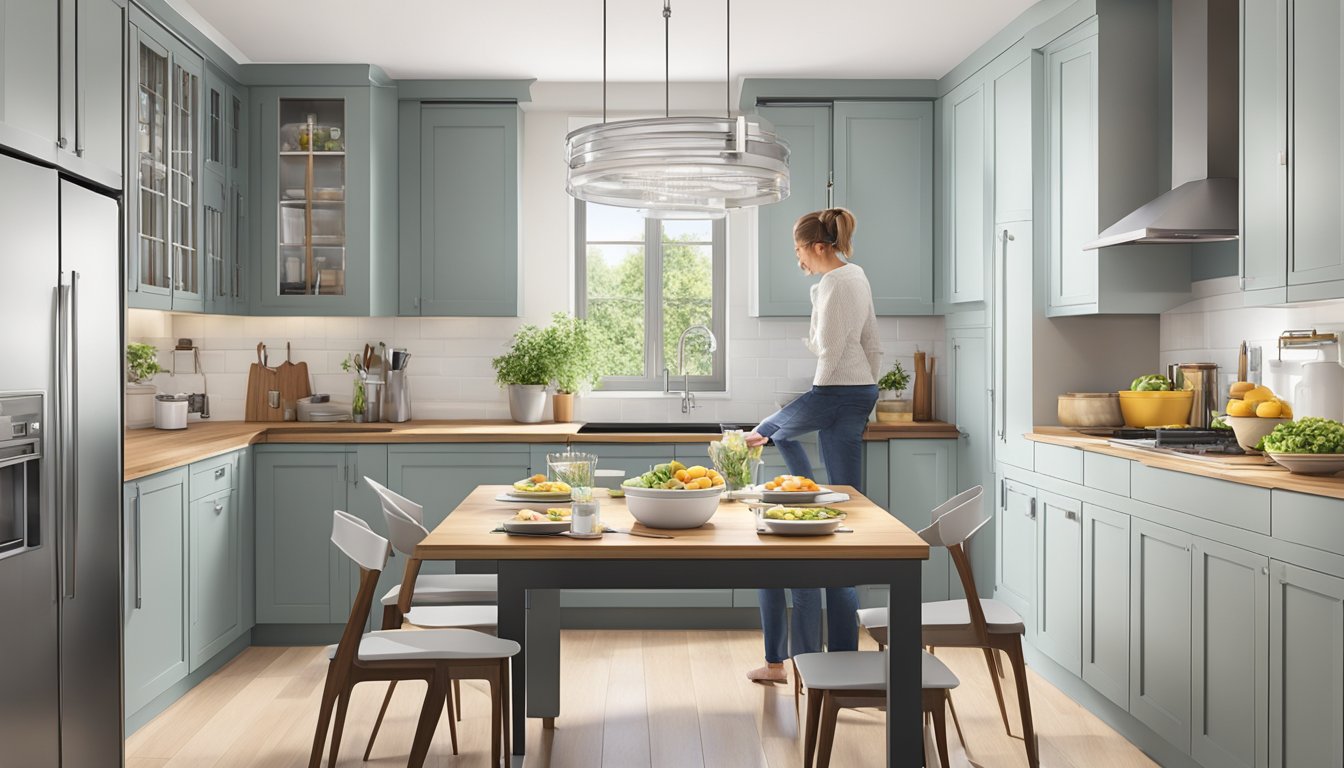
682,475
697,472
1270,409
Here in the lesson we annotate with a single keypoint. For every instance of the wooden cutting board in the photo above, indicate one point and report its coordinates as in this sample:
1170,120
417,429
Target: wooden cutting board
292,381
261,380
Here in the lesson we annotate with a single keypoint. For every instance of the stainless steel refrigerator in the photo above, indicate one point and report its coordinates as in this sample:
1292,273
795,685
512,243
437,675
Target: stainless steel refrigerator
60,472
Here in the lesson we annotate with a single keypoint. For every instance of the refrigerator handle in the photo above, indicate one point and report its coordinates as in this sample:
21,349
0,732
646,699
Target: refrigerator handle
69,450
138,594
63,432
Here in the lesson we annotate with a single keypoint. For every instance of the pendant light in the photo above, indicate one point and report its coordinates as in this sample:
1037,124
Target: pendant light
677,167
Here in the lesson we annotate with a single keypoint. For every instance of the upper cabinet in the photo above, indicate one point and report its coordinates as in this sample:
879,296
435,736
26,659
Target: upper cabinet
967,201
876,159
1264,150
223,224
459,180
325,243
1101,139
163,210
61,84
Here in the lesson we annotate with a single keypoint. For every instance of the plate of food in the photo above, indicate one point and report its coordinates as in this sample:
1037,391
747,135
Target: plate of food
553,520
802,521
538,487
789,488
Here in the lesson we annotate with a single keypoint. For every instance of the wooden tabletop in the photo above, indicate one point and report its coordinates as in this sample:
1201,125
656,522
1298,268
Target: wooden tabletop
731,535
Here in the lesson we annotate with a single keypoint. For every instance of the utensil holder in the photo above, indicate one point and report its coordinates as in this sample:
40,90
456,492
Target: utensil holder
396,398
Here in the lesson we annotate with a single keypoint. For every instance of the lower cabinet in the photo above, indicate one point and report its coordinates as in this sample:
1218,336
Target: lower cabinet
302,578
1105,582
1306,662
1159,627
215,556
1015,584
1059,579
155,573
922,476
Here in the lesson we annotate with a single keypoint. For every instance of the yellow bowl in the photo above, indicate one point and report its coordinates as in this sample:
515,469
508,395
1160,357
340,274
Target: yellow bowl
1155,409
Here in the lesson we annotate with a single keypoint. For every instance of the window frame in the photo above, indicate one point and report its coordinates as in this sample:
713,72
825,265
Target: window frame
658,374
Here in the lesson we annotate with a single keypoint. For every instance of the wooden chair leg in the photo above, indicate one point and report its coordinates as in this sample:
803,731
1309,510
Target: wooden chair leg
378,723
457,697
429,718
956,723
1024,700
826,739
452,724
810,729
391,617
797,691
505,715
496,721
998,689
342,704
940,730
323,721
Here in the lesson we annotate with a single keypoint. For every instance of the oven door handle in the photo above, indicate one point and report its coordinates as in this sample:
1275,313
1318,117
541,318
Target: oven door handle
25,458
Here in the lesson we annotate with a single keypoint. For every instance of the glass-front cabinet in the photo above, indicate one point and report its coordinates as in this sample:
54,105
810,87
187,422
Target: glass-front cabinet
223,224
164,207
310,249
325,226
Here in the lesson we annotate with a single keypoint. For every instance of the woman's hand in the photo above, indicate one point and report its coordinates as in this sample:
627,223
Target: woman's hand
755,438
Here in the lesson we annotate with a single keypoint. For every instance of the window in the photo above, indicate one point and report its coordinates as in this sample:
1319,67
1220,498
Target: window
642,283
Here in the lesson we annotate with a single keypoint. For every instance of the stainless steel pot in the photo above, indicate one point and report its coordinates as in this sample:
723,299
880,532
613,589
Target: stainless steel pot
1202,380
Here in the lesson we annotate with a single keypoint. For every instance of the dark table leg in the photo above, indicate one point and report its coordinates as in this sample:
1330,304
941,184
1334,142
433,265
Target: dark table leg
513,626
543,658
905,738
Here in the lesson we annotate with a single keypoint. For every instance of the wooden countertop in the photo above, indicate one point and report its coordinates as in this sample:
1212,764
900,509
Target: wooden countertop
731,535
148,451
1249,470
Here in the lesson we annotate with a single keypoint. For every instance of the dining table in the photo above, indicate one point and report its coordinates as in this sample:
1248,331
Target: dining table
727,552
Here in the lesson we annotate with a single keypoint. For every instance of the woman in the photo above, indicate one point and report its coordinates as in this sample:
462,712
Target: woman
843,336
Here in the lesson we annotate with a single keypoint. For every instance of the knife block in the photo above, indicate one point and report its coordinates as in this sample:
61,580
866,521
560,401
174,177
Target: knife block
923,390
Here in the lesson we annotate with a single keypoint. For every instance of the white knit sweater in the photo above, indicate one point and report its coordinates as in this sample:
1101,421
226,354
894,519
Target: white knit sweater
843,333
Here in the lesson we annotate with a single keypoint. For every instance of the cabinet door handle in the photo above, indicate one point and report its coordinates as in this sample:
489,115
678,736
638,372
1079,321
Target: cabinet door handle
219,473
80,92
218,507
1032,510
138,592
1003,344
1003,494
1069,514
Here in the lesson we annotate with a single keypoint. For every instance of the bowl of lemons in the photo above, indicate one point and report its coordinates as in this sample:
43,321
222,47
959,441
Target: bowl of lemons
1253,412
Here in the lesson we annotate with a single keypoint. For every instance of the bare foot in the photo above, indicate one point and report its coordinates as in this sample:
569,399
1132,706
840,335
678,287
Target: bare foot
770,673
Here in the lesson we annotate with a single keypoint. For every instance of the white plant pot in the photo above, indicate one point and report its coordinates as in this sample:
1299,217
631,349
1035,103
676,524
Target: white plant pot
140,405
527,402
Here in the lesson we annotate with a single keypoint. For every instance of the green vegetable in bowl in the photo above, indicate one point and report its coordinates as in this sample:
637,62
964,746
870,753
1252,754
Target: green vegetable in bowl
1151,382
803,513
1308,435
1218,423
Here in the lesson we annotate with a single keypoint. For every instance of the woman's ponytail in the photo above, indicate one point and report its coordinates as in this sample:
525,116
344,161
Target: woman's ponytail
833,226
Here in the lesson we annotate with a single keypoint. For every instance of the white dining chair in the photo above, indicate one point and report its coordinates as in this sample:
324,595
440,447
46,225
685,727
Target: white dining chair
438,656
988,624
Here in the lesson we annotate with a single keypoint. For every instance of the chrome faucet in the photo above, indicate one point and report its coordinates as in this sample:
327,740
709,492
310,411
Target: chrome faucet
688,397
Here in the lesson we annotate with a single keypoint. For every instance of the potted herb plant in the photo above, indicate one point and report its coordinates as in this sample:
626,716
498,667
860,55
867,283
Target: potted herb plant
575,362
526,370
142,362
892,407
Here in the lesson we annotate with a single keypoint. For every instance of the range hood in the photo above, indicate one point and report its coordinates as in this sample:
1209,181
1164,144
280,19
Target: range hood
1202,204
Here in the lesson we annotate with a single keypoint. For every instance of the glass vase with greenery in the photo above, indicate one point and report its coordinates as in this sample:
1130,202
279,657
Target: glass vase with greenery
895,380
142,361
574,343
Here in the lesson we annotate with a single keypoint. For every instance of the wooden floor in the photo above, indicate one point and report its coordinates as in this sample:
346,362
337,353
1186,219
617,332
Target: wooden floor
630,699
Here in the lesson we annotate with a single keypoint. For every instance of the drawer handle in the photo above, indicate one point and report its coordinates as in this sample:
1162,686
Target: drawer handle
218,508
219,473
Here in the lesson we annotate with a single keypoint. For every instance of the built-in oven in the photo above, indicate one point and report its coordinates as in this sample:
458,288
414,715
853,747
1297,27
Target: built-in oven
20,473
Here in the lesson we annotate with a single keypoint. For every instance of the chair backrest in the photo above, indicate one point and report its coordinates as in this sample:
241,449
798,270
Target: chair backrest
357,540
388,496
957,519
405,531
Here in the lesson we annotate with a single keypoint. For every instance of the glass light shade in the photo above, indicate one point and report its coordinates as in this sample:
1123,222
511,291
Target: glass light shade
678,167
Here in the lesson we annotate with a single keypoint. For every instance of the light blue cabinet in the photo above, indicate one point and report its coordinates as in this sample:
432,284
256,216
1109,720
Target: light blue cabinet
1014,370
1316,125
1306,677
1160,630
883,166
1264,150
29,82
1072,160
1059,579
783,289
971,411
1105,584
459,168
1229,656
1016,582
157,652
968,200
923,475
215,557
1012,115
302,578
224,221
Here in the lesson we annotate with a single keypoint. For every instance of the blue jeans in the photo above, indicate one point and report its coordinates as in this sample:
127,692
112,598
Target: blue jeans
839,415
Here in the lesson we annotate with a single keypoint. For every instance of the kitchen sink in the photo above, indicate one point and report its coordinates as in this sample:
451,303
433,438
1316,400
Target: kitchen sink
679,428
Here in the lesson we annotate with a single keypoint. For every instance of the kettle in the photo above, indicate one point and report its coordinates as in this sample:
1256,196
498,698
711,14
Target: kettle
1320,390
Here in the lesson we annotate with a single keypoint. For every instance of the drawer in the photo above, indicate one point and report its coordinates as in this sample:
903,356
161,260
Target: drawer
1059,461
1313,521
211,476
1226,502
1106,473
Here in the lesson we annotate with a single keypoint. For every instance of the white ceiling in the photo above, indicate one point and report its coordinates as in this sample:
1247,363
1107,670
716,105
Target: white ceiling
561,40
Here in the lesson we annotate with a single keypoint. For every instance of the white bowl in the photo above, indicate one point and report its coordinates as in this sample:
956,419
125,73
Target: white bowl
802,527
658,508
1310,463
1249,429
